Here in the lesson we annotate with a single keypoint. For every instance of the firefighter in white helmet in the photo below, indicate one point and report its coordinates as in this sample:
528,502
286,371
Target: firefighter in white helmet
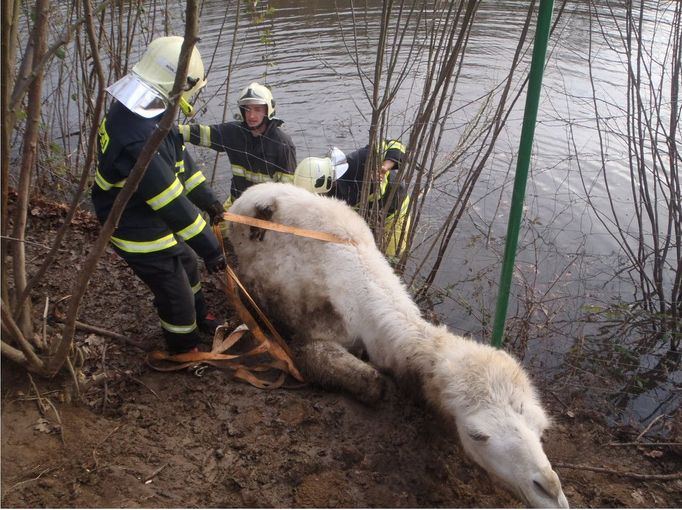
161,227
259,150
342,176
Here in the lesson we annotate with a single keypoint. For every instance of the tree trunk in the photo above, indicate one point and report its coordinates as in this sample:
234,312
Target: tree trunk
10,17
30,143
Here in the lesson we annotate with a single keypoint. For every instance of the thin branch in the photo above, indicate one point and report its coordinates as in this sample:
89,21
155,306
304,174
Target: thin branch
11,327
9,352
626,474
90,156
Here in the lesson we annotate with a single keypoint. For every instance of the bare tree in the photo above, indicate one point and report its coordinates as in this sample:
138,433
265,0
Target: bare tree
19,331
650,134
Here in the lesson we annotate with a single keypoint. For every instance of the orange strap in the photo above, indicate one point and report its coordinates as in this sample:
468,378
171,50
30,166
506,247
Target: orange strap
278,227
271,343
277,348
237,363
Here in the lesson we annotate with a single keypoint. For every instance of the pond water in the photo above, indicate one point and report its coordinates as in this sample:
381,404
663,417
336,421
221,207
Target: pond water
567,258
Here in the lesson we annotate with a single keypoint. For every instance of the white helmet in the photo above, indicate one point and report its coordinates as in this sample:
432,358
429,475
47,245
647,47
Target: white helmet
255,93
146,90
319,174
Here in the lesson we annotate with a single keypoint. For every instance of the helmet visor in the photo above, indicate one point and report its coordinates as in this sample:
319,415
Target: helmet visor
251,100
339,162
138,96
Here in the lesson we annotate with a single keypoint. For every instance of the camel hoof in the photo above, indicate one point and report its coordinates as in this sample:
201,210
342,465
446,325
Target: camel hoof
375,386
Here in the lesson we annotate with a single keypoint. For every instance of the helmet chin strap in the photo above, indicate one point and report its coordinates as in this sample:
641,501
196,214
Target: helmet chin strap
186,107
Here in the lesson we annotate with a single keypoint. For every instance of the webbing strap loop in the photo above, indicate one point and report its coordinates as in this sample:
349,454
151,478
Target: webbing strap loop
271,343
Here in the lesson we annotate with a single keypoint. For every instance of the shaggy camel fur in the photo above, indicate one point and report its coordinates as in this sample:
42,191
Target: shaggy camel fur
338,299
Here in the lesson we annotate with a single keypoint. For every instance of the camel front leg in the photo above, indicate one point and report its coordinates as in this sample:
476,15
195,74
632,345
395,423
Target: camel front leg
329,365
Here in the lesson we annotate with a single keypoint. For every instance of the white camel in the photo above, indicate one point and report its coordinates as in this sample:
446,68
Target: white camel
338,299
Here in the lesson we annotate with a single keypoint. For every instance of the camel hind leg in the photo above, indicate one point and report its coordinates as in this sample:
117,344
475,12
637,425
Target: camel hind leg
329,365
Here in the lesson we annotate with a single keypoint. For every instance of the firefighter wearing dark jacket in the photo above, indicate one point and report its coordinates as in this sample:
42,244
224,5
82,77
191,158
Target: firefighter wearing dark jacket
342,176
258,149
162,219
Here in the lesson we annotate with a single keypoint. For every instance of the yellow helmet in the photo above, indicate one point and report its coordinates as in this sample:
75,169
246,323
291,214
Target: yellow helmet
255,93
314,174
153,76
319,174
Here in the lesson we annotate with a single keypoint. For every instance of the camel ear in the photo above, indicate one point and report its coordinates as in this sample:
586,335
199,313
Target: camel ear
263,212
478,436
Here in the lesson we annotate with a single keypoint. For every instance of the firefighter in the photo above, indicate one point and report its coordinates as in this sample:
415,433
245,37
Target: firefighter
162,225
258,149
342,176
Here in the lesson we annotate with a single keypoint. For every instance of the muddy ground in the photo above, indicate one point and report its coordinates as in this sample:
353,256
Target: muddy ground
151,439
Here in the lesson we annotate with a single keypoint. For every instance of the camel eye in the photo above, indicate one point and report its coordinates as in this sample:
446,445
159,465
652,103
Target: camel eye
479,436
538,487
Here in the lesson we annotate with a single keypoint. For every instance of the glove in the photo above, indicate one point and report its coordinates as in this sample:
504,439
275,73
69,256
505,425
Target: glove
216,264
215,211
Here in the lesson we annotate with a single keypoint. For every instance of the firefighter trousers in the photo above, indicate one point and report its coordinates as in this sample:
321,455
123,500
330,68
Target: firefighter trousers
175,282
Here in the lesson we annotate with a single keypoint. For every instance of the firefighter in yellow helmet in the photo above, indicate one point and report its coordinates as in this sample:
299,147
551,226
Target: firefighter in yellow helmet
342,176
161,227
259,150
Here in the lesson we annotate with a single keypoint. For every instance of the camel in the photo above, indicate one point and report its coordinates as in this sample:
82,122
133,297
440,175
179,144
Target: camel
336,301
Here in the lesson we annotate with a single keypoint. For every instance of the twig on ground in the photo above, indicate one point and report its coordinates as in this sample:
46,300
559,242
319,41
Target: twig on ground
45,310
559,400
43,408
109,435
100,331
155,473
39,399
648,427
29,398
59,420
25,241
94,450
104,332
105,397
44,471
652,445
74,376
628,474
143,384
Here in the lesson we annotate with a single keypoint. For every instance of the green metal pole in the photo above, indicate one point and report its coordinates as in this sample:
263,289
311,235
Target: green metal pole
525,146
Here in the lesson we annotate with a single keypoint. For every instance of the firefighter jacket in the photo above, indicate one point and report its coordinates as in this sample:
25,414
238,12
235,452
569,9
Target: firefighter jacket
163,209
349,188
254,159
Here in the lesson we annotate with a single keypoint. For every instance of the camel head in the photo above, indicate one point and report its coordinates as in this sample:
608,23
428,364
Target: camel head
507,444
